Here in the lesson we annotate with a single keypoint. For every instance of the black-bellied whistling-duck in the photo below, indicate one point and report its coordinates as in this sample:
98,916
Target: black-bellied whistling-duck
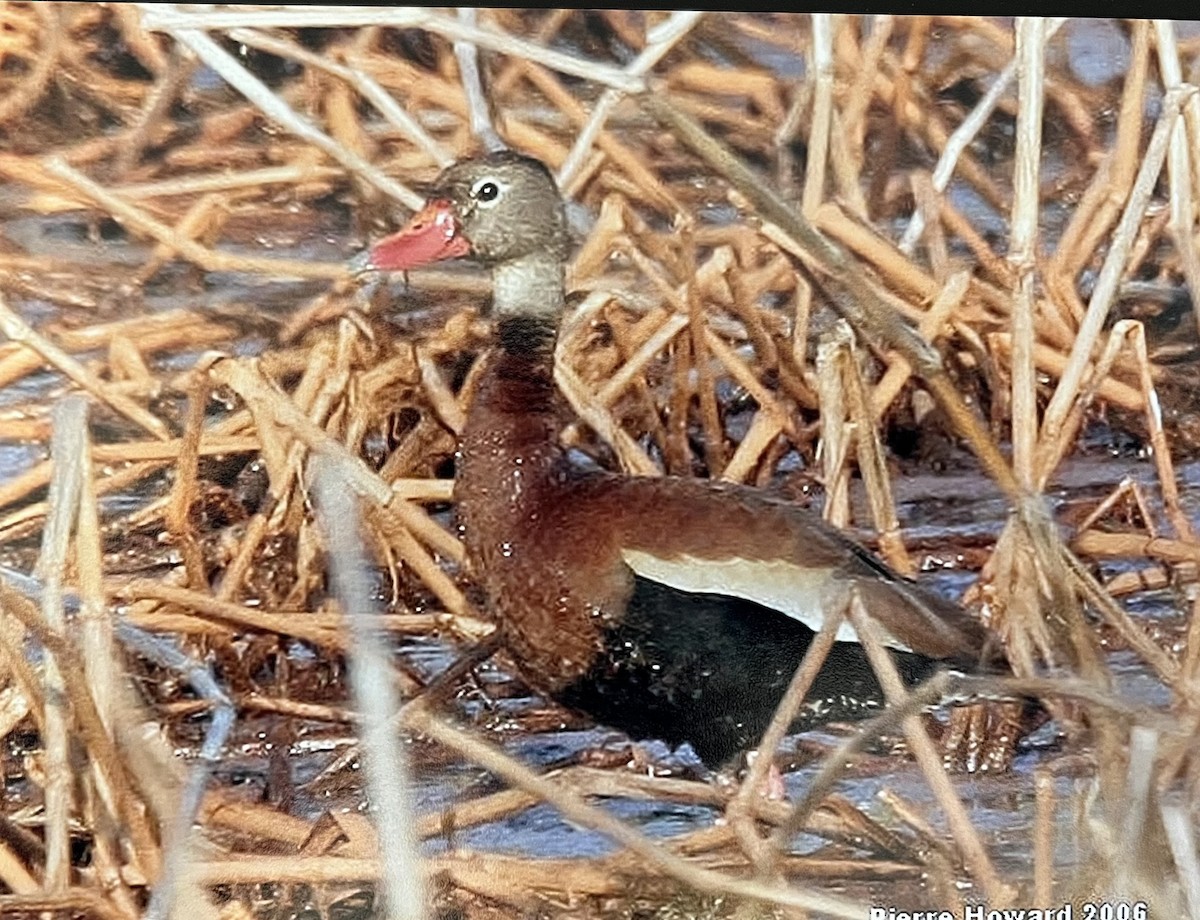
668,608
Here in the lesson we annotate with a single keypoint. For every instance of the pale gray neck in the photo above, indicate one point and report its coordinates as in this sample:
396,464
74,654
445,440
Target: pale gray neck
533,286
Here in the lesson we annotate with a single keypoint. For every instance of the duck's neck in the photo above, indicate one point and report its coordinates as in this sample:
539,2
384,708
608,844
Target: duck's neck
511,436
531,288
518,384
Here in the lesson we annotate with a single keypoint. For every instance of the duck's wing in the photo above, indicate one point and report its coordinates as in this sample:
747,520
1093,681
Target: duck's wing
713,538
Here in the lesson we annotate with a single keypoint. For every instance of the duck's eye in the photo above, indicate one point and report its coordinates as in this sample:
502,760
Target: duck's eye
486,191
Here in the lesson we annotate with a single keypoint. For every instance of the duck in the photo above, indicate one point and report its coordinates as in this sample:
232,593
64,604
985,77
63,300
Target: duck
666,608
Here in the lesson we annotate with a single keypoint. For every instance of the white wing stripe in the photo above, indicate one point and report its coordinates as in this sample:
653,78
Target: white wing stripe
799,592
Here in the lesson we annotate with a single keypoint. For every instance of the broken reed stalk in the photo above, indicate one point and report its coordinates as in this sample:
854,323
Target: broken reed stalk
820,125
1135,336
17,101
452,415
853,114
431,693
1182,163
1045,803
70,428
872,464
633,458
1143,744
696,364
1072,423
29,518
899,370
386,764
856,300
835,427
608,143
1127,488
104,673
83,901
169,18
208,259
170,329
13,873
962,137
148,457
834,764
661,40
1090,328
156,108
90,730
467,55
202,604
173,879
184,490
1023,238
223,63
387,106
281,411
974,854
1181,835
1099,207
753,784
20,331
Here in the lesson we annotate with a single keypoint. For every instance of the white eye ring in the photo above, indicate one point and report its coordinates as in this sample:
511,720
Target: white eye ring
484,196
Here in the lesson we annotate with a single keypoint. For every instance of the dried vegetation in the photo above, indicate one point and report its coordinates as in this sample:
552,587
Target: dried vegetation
904,240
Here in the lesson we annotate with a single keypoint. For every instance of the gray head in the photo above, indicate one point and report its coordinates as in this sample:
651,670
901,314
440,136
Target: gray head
509,207
500,209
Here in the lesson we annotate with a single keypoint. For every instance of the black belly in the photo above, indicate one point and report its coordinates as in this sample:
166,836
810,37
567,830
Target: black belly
710,670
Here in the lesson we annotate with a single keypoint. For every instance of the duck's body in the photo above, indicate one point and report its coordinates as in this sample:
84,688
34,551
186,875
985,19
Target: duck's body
654,604
665,607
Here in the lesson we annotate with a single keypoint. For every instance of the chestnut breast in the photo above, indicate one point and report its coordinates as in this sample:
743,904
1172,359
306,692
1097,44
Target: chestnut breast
552,577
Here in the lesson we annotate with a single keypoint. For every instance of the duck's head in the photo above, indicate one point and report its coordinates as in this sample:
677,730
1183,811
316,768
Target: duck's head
500,209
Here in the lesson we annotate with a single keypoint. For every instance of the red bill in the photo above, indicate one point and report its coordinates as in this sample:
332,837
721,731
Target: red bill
433,234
